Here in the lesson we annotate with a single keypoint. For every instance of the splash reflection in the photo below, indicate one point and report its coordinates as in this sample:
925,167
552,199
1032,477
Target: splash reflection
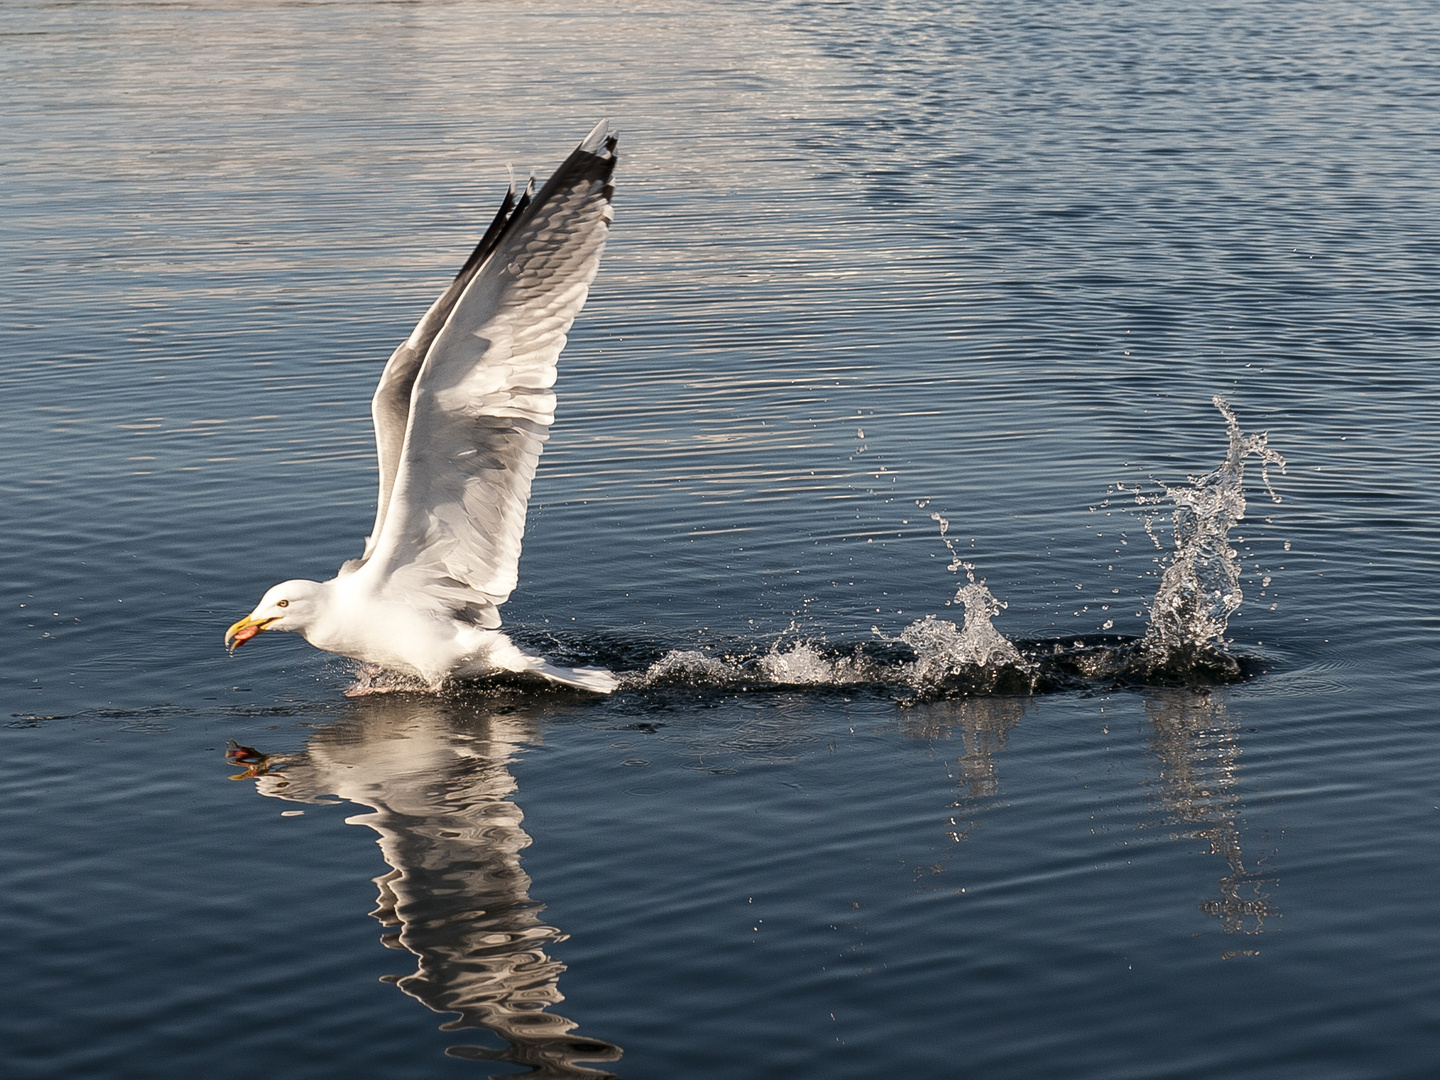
982,724
435,777
1198,746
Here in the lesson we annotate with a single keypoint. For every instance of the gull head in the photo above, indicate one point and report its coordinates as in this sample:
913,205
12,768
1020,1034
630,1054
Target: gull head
291,605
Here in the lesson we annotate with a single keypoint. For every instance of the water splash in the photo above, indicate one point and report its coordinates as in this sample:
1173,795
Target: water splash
1200,585
977,642
786,663
971,658
934,658
931,658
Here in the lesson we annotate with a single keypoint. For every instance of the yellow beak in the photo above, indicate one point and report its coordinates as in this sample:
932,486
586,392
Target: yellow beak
244,630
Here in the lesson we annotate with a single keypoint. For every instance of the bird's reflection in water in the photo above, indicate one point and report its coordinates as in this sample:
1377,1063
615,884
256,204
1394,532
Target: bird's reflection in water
982,724
1199,751
435,776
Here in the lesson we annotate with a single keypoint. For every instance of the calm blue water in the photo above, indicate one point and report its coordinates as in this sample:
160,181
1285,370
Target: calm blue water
994,258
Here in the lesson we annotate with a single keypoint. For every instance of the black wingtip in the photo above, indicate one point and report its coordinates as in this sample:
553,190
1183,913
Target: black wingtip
594,159
594,156
492,234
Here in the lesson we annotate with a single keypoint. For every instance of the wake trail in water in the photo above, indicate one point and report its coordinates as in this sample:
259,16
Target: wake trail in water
1184,642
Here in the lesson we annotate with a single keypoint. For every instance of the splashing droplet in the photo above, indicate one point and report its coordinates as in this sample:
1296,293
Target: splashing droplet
1200,584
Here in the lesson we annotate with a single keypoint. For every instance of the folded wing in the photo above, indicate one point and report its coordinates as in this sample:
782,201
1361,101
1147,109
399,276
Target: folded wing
479,370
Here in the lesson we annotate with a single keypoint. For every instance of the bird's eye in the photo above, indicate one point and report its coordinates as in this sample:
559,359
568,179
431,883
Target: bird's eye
282,603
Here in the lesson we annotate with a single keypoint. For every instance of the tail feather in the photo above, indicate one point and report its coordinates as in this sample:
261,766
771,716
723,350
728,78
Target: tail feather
503,654
594,679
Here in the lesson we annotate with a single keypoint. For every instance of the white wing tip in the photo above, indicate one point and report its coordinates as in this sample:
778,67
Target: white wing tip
595,142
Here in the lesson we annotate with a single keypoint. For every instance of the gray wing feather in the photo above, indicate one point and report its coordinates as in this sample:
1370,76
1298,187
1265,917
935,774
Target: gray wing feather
481,403
390,407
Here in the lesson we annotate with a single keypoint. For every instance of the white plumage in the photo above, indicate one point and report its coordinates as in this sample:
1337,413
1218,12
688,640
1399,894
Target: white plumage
461,414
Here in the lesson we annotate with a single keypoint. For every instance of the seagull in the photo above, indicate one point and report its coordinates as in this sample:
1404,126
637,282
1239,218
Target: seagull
461,413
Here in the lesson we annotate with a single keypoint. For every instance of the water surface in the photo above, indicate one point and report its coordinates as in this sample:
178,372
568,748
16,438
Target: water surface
991,259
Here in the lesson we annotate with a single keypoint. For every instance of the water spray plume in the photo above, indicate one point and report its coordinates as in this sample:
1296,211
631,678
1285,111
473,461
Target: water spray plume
1184,642
1200,585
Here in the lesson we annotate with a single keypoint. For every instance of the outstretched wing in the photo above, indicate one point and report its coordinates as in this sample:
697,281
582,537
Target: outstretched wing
390,407
480,404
